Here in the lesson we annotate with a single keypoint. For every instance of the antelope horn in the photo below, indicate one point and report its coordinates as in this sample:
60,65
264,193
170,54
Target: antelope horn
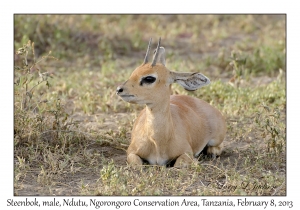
147,53
156,53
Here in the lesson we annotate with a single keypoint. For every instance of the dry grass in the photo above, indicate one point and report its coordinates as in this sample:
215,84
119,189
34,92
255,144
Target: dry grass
71,130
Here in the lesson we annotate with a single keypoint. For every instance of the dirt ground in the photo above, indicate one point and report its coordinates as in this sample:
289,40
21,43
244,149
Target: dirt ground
68,184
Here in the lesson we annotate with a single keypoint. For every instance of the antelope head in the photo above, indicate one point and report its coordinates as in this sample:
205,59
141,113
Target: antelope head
150,83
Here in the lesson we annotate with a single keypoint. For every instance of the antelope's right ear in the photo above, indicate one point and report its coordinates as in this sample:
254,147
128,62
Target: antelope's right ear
161,56
190,81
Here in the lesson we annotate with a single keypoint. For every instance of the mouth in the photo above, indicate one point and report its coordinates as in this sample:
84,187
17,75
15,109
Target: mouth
126,96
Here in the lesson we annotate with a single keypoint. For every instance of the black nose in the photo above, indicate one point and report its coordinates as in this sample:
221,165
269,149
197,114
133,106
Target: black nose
119,90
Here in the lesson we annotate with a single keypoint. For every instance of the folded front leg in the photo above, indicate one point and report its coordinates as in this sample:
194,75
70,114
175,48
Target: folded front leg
134,159
184,160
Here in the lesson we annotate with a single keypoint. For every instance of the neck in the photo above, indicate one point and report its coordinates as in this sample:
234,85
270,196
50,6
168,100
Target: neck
159,121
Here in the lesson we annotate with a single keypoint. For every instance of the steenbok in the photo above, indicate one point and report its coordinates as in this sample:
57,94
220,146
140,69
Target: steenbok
170,130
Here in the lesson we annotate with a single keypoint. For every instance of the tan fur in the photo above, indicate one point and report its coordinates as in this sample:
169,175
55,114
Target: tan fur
175,127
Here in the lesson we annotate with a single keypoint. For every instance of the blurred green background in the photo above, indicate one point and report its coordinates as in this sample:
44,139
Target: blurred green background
91,40
97,52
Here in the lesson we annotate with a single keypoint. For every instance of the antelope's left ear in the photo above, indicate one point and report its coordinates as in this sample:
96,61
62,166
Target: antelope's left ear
190,81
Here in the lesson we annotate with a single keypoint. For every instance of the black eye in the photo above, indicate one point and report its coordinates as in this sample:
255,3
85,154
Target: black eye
147,80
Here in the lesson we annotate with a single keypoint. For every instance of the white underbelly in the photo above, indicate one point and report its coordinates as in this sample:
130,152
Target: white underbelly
157,160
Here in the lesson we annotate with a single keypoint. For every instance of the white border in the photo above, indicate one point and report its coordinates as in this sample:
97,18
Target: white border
213,6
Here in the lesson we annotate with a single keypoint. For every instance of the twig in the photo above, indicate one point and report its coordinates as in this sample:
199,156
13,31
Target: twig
66,131
277,189
40,82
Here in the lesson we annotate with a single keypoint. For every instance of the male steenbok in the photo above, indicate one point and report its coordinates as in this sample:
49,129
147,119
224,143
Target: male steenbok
171,129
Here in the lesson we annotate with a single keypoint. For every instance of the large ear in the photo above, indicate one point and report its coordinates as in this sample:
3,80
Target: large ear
160,56
190,81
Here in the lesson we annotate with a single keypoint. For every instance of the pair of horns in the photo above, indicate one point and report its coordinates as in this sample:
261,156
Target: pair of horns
155,55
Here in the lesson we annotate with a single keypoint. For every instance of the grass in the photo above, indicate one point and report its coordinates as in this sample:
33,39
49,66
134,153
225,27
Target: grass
71,131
